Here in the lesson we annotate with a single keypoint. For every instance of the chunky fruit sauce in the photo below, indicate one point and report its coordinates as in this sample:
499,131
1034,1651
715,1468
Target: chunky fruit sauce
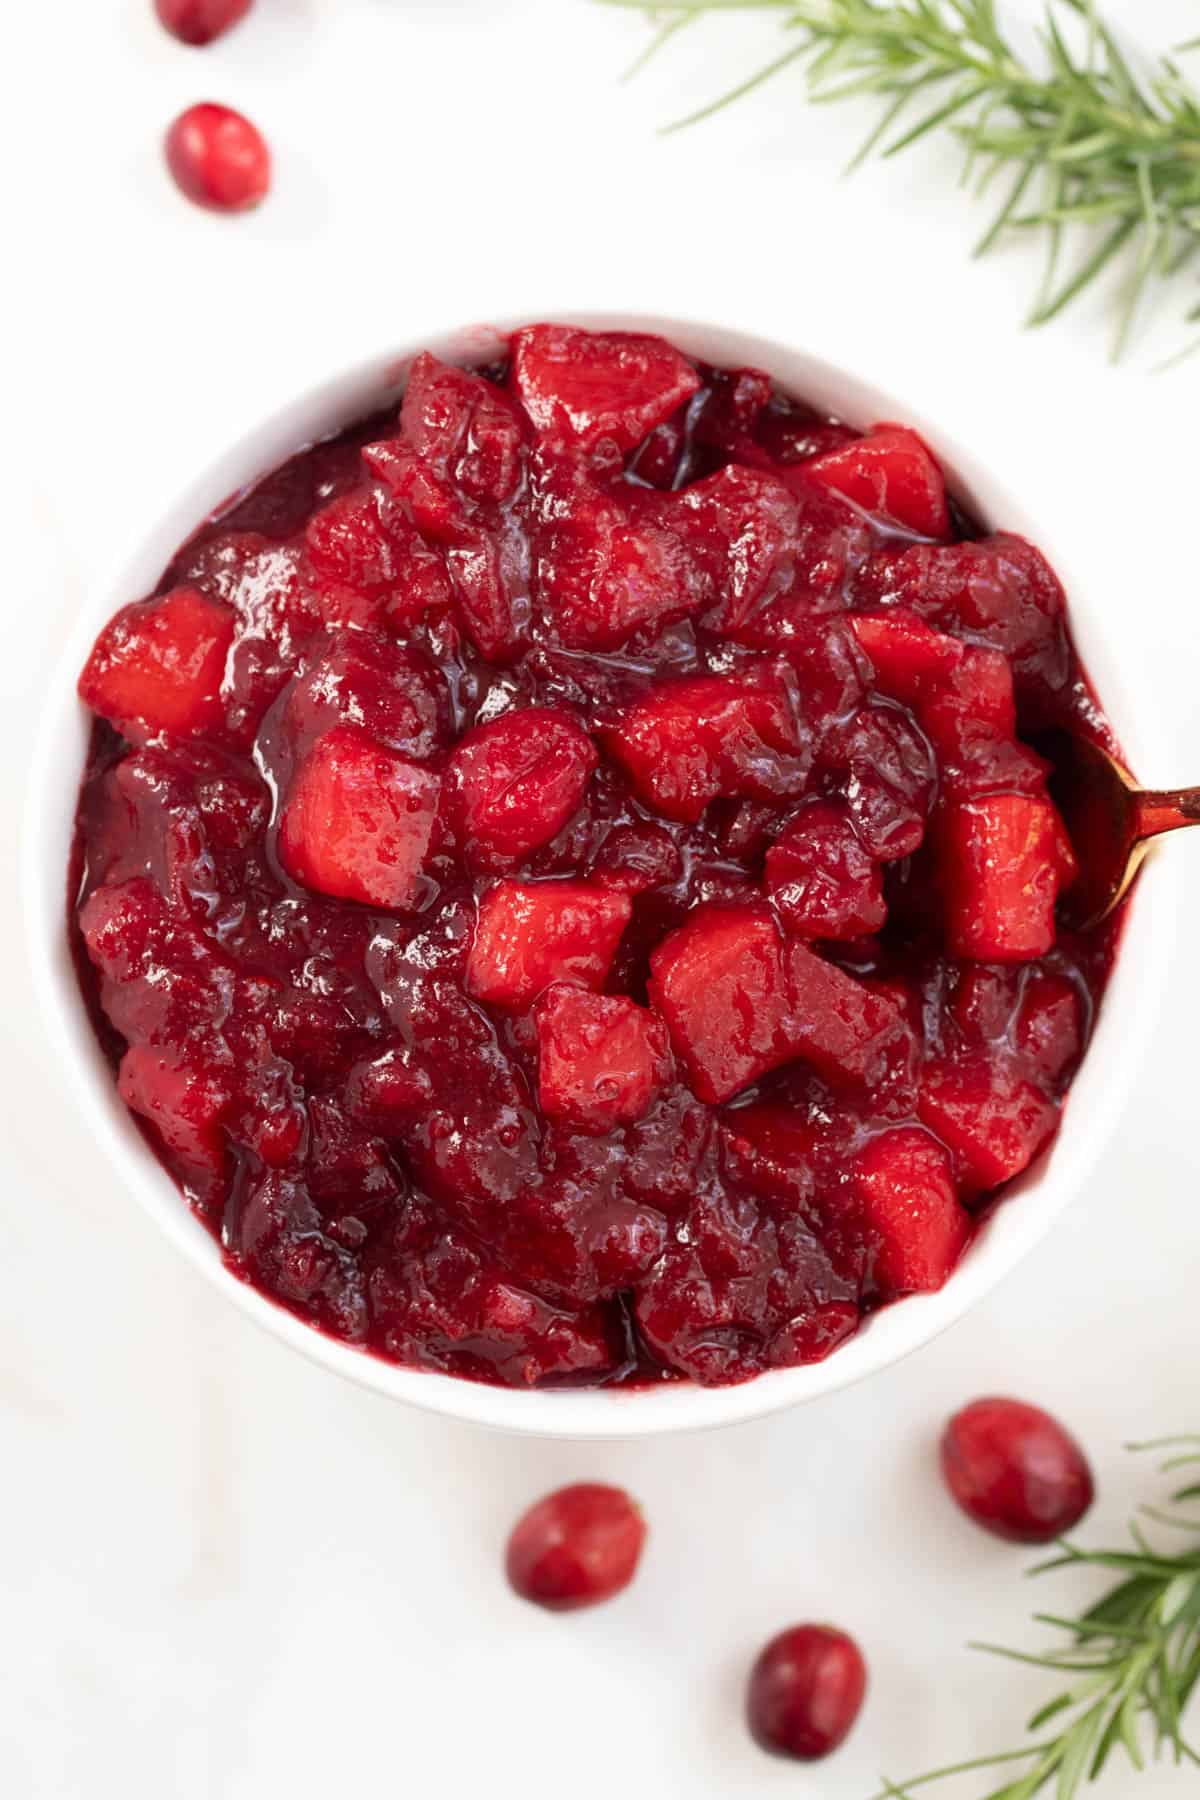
563,879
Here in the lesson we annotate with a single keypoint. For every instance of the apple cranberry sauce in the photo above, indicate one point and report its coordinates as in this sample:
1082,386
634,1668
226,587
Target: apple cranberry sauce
561,879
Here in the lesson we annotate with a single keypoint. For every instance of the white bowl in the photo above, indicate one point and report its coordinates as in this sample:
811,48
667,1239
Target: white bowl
1094,1106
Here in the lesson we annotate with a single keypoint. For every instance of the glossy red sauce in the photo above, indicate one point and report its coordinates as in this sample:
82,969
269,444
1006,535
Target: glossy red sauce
562,876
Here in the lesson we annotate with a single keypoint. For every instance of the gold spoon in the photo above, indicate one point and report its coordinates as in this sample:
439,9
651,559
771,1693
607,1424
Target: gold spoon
1112,822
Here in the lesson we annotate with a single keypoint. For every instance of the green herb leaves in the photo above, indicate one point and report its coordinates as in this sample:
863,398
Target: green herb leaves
1091,148
1130,1664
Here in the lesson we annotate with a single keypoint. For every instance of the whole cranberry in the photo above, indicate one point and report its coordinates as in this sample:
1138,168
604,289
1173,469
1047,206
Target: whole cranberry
576,1547
218,158
1015,1471
200,21
805,1691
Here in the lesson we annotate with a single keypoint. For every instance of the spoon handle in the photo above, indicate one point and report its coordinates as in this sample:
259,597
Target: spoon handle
1166,810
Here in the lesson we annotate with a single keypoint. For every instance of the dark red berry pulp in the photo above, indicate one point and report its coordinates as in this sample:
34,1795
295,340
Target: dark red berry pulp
576,1547
806,1690
1016,1471
560,880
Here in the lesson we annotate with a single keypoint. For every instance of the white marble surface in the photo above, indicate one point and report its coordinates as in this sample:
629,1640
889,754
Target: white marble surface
225,1575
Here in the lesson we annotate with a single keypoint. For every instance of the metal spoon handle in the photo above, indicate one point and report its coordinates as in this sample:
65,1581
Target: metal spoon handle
1166,809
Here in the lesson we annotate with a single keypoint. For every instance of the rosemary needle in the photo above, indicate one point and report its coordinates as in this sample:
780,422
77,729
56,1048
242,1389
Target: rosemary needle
1093,147
1131,1663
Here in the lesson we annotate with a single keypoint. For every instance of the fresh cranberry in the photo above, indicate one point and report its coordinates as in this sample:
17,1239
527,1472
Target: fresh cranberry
200,21
690,741
576,1547
516,782
1016,1471
806,1691
822,879
218,158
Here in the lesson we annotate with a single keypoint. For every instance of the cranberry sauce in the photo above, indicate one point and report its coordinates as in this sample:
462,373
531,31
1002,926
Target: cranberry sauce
562,879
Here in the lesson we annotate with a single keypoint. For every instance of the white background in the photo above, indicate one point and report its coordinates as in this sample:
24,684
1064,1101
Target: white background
226,1575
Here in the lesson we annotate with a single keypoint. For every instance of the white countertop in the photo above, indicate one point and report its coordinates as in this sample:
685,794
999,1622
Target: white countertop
226,1575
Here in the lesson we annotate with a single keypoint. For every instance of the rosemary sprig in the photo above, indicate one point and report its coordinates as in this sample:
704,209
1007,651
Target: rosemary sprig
1132,1662
1088,144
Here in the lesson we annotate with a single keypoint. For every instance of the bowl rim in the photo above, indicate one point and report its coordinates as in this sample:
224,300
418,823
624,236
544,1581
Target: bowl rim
1132,1001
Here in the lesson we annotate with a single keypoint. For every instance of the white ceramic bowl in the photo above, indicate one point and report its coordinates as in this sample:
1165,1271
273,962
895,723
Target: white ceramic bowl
1094,1106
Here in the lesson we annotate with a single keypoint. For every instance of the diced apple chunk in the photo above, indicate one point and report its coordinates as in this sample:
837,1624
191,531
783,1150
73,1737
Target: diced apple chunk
184,1102
601,1058
889,472
994,1121
975,696
908,656
157,666
1003,860
581,386
688,741
969,715
720,983
903,1182
358,820
842,1028
528,934
739,1003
